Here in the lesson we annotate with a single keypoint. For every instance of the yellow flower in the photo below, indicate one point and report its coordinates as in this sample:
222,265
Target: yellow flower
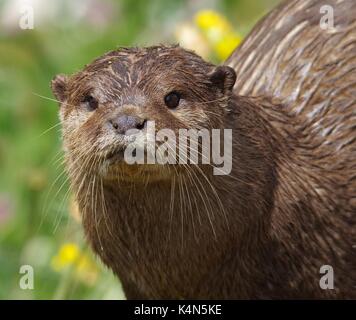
218,32
209,19
226,45
70,255
66,256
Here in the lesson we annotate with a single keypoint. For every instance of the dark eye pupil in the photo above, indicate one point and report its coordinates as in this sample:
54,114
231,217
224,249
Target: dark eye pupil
172,99
90,102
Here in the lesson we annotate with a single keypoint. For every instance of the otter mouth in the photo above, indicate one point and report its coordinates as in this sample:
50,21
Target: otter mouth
118,155
116,167
115,156
119,169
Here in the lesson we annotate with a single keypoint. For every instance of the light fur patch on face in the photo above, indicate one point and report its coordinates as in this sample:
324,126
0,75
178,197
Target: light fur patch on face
74,120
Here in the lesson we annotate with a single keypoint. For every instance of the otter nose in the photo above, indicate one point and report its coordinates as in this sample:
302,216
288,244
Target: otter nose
124,122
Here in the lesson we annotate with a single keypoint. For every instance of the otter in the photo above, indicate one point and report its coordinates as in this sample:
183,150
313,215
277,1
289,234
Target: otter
287,210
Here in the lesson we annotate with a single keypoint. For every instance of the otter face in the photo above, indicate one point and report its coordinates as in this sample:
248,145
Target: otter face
110,103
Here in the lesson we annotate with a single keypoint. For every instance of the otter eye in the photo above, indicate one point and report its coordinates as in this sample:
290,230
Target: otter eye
172,99
90,102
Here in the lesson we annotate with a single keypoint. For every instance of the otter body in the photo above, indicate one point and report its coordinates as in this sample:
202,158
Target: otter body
287,208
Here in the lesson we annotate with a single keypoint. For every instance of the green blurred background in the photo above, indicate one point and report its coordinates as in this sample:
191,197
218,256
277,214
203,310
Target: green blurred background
39,224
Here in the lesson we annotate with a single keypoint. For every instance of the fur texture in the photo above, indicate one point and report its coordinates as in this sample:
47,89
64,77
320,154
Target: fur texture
289,205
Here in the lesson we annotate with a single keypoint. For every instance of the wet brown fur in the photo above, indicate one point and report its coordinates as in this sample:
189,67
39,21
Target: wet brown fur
288,206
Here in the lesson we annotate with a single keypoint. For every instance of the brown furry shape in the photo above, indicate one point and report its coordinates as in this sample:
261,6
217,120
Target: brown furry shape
289,205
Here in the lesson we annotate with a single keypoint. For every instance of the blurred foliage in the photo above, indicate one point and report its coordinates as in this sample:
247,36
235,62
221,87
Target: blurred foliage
38,220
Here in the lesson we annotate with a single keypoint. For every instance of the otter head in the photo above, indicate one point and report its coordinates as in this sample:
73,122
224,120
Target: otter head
111,103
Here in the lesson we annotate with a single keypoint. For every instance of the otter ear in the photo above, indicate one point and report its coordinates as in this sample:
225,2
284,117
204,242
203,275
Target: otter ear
224,78
59,87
